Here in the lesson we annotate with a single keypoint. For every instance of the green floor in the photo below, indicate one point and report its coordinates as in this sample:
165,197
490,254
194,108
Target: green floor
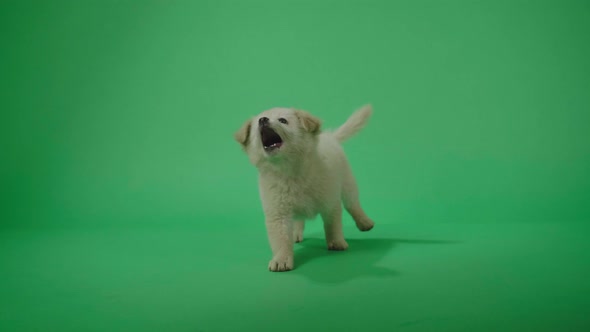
445,277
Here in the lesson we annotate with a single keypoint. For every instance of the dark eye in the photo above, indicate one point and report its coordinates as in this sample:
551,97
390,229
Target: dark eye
283,120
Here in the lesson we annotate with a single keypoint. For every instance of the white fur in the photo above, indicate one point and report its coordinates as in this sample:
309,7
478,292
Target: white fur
308,175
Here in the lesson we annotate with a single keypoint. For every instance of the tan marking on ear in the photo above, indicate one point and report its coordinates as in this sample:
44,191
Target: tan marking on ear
243,134
308,121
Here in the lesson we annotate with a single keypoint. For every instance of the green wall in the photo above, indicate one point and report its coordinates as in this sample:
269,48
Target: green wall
121,113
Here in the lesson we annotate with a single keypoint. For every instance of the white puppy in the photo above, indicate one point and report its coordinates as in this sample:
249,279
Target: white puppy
303,172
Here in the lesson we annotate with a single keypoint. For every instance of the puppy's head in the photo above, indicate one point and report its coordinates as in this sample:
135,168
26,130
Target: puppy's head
278,134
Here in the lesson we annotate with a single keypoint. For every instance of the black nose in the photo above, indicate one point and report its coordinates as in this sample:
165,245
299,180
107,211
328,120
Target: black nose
263,121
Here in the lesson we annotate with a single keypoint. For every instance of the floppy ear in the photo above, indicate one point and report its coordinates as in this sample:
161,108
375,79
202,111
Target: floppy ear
242,135
308,121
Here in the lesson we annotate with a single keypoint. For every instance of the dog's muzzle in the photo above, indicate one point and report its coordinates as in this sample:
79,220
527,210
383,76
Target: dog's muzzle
270,139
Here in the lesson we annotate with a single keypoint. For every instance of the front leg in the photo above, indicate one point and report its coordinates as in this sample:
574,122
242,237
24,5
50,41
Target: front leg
298,227
280,236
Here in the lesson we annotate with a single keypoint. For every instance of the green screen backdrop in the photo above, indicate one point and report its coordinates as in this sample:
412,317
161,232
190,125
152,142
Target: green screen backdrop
125,204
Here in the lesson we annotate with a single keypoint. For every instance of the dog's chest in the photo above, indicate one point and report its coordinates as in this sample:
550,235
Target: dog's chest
305,210
296,197
305,202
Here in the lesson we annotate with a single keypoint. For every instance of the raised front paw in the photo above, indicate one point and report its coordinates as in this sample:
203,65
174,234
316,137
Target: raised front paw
281,263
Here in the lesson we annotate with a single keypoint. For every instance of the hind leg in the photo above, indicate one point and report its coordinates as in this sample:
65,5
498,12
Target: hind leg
333,228
350,199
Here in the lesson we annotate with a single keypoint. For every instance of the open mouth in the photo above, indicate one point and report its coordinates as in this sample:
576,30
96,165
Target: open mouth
270,139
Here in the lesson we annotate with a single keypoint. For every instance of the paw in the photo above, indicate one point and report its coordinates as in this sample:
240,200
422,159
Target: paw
281,263
365,225
338,245
298,236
